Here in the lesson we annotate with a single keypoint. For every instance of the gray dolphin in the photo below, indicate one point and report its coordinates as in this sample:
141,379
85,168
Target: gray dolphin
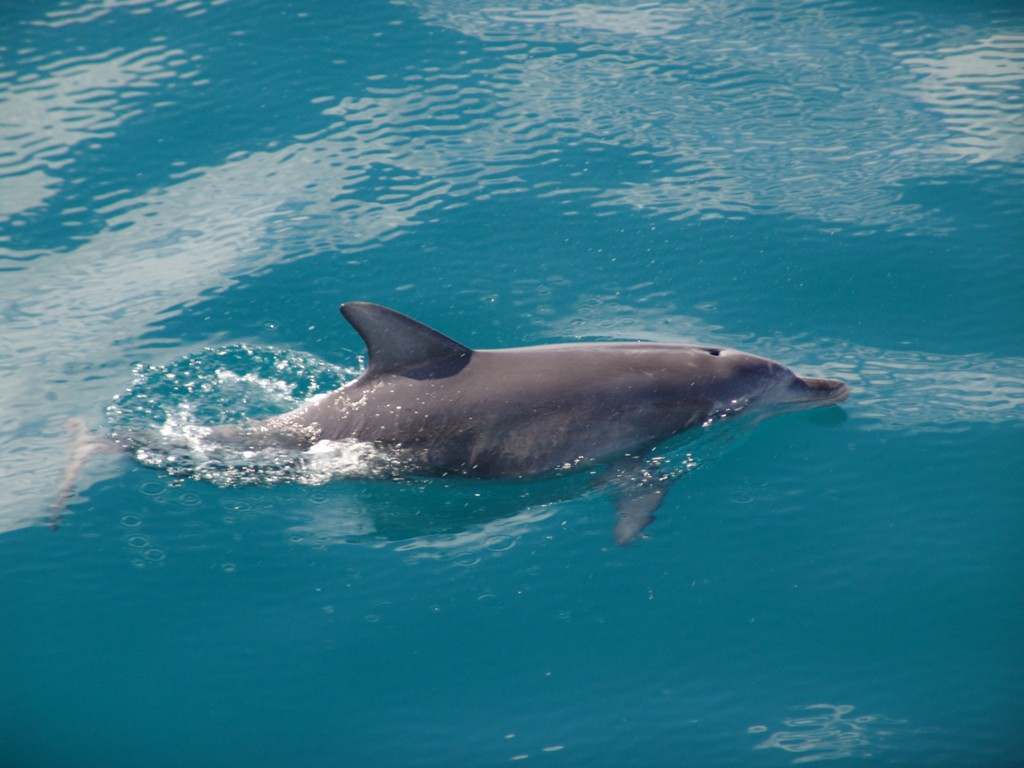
446,409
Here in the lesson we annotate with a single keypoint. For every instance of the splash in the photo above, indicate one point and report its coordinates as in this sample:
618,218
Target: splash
166,418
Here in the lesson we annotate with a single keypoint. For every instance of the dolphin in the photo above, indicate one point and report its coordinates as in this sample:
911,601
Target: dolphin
446,409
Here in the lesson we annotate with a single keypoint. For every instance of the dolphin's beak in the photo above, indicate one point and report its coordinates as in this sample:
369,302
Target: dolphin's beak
821,392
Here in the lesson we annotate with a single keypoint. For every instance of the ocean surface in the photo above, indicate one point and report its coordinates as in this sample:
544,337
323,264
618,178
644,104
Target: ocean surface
189,189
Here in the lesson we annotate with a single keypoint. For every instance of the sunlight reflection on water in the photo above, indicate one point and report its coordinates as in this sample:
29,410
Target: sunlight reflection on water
827,733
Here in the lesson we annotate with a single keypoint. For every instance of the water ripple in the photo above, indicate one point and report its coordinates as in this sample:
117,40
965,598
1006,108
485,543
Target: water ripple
827,733
91,10
76,100
977,88
792,109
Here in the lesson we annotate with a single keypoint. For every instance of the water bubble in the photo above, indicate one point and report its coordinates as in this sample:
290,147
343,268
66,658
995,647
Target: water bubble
131,521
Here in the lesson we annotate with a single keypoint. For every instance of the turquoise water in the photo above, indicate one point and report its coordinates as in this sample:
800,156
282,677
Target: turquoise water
834,185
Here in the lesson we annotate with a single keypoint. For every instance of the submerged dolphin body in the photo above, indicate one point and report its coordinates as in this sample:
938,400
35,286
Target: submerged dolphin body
444,408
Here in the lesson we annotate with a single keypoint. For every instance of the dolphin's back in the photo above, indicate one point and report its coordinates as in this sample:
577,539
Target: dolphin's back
518,411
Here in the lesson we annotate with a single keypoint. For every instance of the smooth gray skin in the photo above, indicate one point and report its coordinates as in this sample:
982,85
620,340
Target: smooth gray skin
519,412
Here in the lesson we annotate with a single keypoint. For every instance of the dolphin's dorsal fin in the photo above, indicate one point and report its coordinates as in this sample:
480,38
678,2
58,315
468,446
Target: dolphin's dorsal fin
397,344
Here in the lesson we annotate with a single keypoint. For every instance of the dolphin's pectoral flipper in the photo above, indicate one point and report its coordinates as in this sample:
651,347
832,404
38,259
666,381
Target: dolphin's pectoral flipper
635,511
638,490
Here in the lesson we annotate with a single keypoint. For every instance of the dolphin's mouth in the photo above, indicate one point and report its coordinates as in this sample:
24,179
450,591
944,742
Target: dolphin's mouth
824,391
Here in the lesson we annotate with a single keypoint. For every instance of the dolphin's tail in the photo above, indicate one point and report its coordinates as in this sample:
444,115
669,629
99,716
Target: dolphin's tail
82,444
